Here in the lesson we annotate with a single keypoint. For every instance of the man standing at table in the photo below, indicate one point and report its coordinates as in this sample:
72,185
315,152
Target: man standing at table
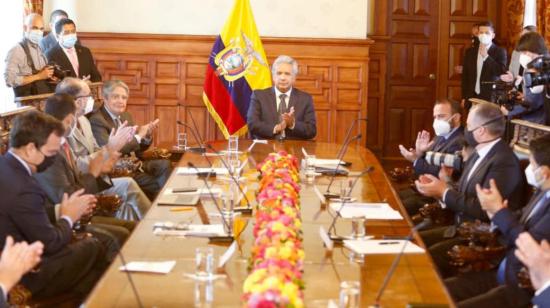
282,112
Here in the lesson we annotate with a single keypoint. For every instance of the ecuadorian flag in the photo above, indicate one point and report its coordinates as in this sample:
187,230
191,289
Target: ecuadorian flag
236,67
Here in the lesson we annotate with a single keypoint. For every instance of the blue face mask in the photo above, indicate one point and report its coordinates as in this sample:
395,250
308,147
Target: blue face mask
35,36
69,40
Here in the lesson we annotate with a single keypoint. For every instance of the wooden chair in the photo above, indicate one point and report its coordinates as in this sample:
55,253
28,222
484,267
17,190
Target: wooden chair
5,125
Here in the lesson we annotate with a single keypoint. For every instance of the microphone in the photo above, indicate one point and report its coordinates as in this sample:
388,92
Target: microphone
336,238
348,134
200,149
228,237
341,154
248,209
424,224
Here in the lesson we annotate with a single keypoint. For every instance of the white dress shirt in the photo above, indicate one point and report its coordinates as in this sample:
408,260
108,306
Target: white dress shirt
480,60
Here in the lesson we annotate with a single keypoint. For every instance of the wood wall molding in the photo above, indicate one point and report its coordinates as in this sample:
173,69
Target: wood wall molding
165,74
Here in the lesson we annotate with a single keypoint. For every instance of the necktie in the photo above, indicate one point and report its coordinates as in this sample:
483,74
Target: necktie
67,151
282,104
73,58
118,123
501,272
467,168
536,203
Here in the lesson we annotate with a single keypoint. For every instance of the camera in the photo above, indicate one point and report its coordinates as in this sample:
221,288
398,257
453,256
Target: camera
542,74
58,71
505,94
454,161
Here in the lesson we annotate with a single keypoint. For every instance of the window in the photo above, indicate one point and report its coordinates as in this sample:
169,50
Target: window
530,16
11,23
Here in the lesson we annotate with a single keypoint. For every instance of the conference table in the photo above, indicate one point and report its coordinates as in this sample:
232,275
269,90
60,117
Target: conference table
414,281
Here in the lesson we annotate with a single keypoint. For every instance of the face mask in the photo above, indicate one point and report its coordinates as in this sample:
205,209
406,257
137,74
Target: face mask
524,60
442,127
35,36
485,39
469,136
89,105
46,163
68,40
537,89
530,174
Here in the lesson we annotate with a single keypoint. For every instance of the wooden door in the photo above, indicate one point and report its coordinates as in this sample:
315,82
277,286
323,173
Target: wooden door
412,65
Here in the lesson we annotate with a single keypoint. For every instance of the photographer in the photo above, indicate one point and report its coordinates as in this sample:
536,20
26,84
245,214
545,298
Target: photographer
530,46
27,71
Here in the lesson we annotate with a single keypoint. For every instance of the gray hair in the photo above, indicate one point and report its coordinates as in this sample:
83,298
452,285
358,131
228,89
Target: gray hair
70,85
285,59
110,85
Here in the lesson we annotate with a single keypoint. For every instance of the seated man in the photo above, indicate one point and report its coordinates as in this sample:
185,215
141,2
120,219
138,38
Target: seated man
499,287
16,259
27,71
75,59
67,266
450,134
282,111
85,148
493,159
537,259
111,116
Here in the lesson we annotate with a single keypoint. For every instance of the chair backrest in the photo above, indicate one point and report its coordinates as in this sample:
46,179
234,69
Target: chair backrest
5,125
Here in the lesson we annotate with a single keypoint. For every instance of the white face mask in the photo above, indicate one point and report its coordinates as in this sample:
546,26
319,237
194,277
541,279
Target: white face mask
485,39
89,105
442,127
537,89
530,174
35,36
68,40
524,60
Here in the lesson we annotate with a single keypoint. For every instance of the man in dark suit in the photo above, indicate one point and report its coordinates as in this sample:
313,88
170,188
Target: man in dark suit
16,260
50,40
66,266
493,159
73,58
282,111
482,63
481,289
111,116
449,139
536,258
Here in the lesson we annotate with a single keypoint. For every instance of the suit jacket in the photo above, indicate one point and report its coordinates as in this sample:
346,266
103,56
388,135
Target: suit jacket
62,178
83,144
86,64
450,145
511,225
102,124
48,42
500,164
493,67
23,209
542,300
263,116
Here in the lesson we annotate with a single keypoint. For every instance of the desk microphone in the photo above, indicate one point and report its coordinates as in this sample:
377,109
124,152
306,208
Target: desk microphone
341,154
336,238
427,222
200,149
226,238
248,209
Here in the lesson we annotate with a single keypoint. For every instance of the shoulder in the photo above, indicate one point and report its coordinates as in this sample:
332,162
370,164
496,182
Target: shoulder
262,92
97,117
53,51
83,50
301,94
15,50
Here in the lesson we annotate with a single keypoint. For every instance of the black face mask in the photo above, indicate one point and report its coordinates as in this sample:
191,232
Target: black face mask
46,163
469,136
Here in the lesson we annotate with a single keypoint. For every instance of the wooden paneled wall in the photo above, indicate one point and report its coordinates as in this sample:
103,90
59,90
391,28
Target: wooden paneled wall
165,74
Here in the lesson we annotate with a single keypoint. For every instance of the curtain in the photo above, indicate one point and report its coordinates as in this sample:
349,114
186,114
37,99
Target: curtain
33,6
513,23
543,19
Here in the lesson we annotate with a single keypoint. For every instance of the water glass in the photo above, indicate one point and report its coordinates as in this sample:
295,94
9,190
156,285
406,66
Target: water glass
204,293
310,169
233,144
358,230
182,141
345,190
350,292
204,262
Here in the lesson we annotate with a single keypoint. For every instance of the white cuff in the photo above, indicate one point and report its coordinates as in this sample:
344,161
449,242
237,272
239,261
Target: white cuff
442,201
138,138
68,219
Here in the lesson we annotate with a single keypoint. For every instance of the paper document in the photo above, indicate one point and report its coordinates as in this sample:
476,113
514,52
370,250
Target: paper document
203,192
374,211
373,247
193,230
190,171
164,267
328,163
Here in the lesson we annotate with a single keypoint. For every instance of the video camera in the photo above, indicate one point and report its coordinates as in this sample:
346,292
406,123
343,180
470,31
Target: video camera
58,71
455,161
505,94
542,74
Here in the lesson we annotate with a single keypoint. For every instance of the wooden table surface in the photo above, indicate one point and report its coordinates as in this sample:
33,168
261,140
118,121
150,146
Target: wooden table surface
415,280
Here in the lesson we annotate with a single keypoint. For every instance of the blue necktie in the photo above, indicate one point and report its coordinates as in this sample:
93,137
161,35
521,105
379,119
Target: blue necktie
501,272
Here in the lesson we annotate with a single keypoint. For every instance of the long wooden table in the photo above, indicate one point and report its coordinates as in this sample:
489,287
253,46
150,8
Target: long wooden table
415,280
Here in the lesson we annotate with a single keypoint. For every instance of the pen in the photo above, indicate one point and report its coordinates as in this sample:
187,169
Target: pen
181,209
388,243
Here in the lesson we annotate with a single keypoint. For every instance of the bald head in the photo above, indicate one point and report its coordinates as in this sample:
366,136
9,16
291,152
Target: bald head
33,27
78,89
489,117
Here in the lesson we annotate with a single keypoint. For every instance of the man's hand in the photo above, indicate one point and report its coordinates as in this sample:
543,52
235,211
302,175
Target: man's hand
289,118
152,126
445,173
423,143
490,198
483,50
97,162
120,137
110,162
45,73
504,110
508,77
77,205
16,260
430,186
409,154
279,127
536,257
147,129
